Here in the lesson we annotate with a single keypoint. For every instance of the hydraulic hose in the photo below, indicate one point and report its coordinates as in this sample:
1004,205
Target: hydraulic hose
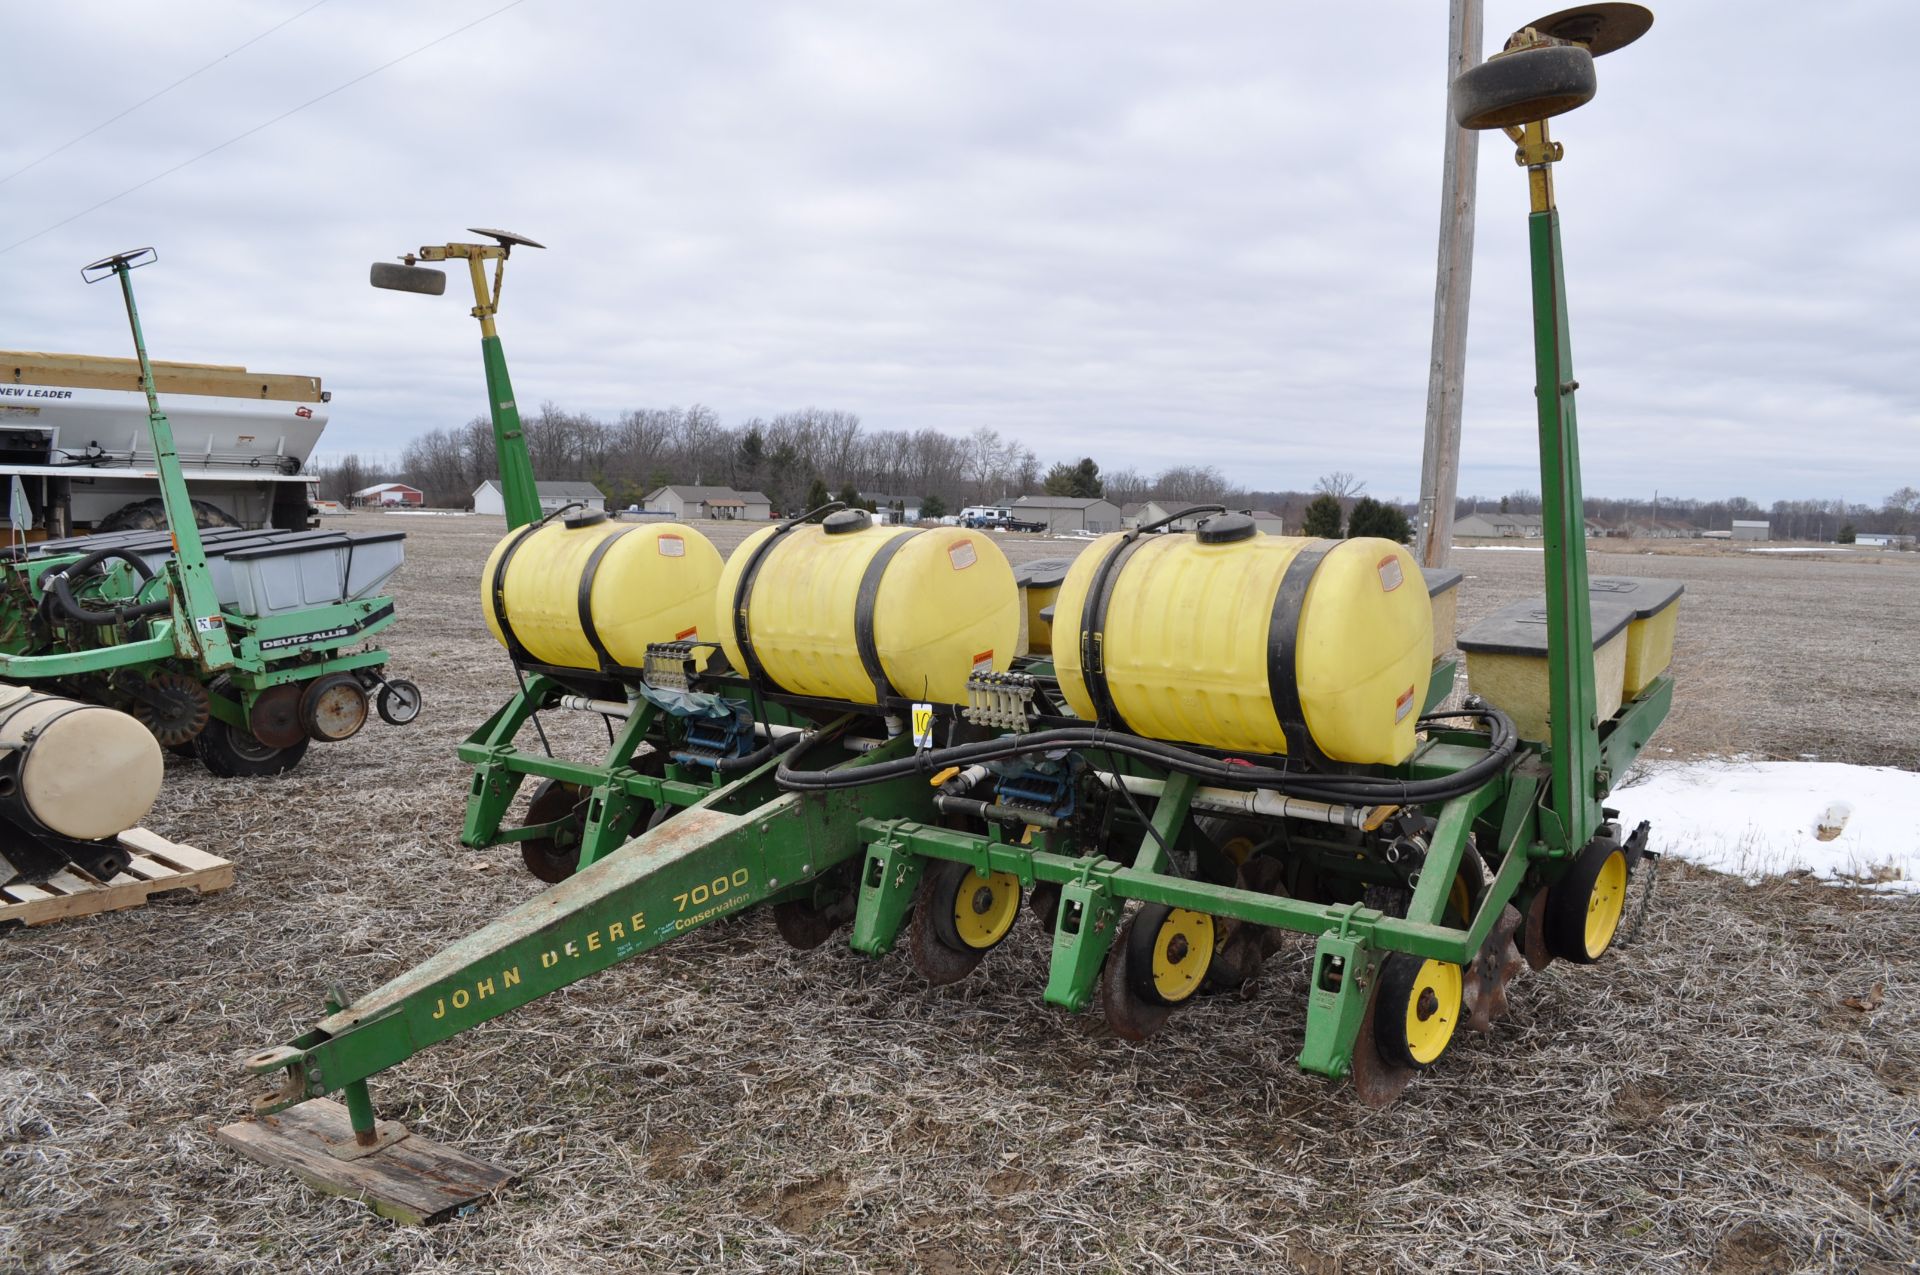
761,755
58,584
1503,744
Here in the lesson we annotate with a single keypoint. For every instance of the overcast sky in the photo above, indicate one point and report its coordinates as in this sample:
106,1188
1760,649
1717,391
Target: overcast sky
1156,233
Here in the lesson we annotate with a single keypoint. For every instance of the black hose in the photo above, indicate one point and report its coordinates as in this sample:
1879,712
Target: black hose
761,755
1503,744
57,582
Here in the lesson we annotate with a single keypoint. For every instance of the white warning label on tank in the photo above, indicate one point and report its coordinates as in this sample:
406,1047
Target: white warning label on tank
1390,573
1403,705
962,554
673,547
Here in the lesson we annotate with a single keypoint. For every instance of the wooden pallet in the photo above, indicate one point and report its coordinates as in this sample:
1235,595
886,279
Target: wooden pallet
157,866
416,1180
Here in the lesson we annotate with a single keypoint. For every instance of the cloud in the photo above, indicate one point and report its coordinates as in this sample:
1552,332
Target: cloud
1160,234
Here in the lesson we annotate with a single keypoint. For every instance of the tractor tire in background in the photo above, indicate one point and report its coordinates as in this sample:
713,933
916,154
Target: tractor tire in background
151,515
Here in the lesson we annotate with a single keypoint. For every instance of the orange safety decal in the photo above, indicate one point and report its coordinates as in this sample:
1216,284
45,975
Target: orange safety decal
962,555
983,661
1403,705
672,547
1390,573
684,634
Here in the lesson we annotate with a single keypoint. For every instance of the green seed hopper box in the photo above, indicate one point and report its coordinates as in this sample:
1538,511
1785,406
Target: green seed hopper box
1507,661
1656,613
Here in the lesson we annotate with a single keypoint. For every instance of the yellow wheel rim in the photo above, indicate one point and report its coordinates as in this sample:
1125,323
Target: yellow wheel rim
1239,850
1605,904
984,907
1433,1010
1182,950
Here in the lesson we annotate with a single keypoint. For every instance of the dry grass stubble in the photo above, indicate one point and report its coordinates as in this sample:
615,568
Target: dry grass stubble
1706,1100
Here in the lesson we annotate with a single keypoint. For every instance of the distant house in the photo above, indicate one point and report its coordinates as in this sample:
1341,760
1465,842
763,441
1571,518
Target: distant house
489,499
1268,521
1662,529
710,502
1883,540
901,509
1752,529
389,494
1069,513
1496,526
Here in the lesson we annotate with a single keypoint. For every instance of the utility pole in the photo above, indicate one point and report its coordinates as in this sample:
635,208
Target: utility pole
1446,370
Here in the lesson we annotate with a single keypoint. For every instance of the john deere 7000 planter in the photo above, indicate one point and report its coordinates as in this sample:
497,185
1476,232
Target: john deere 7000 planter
240,646
1190,746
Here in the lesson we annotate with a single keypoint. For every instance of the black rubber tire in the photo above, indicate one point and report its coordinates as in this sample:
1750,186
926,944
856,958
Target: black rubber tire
1519,88
1142,937
151,515
234,754
1565,922
1397,975
398,702
945,881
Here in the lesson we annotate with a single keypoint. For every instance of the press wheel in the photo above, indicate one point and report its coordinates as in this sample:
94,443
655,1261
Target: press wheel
1417,1009
555,857
960,916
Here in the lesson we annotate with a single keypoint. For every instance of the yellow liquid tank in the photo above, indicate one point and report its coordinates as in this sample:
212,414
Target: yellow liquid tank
645,583
1238,640
834,609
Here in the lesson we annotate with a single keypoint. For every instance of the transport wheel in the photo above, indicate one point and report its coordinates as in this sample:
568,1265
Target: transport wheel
333,707
960,917
555,857
1584,908
233,753
1521,87
1416,1010
398,702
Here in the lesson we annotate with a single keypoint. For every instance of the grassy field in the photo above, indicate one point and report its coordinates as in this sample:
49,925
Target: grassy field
1738,1089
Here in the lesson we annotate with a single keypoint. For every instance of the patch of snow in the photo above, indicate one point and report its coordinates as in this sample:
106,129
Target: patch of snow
1503,548
1755,819
1803,549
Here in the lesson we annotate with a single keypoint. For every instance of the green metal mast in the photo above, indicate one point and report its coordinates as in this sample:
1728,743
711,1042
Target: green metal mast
203,634
1575,787
521,497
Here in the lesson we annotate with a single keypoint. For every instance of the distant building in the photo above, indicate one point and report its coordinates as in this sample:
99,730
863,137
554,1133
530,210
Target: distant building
389,494
1268,521
710,502
488,498
1069,513
1749,529
885,510
1498,526
1662,529
1883,540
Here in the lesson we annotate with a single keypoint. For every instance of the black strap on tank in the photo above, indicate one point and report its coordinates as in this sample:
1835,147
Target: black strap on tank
587,573
1093,629
497,592
743,592
1283,679
864,640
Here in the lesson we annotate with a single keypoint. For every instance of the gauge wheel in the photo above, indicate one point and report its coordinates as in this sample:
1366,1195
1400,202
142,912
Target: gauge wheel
1416,1010
233,753
1584,908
